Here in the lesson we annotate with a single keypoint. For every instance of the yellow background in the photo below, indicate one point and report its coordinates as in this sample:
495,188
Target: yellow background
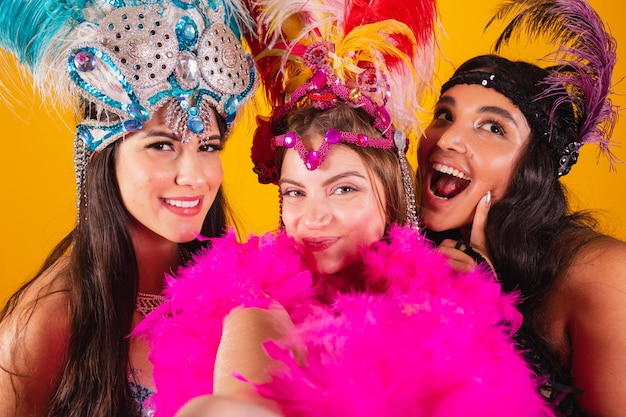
37,175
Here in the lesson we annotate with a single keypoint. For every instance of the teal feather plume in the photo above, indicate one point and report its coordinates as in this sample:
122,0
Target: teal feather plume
41,34
29,27
34,32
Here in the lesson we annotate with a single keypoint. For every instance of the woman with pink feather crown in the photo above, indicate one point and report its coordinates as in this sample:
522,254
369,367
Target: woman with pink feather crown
346,309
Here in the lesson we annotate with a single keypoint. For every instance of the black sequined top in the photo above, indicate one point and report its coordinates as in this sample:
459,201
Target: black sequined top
556,384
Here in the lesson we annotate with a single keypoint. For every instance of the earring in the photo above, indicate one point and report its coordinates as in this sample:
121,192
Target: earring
281,225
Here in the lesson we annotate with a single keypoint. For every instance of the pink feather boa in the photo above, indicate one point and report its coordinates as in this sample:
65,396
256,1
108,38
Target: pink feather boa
436,342
184,333
419,339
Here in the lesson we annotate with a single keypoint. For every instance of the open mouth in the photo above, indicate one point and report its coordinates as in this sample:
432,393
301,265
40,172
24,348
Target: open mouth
447,182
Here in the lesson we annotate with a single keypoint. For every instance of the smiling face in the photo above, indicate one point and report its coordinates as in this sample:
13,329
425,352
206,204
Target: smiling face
331,211
167,186
471,147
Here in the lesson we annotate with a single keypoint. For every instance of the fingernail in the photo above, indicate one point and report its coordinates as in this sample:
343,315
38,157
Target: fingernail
487,198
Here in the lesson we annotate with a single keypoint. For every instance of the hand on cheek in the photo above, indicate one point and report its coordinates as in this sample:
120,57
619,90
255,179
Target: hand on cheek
463,257
478,239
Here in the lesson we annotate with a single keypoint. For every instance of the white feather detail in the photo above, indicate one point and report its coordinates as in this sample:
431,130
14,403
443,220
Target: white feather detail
283,25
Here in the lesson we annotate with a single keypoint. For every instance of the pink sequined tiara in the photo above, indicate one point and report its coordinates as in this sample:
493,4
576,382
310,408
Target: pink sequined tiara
324,90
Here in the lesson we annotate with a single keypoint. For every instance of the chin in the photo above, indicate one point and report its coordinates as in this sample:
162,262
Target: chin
323,267
329,262
431,222
185,237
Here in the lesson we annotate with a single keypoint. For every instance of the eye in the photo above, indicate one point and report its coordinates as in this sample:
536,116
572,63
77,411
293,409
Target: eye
345,189
161,146
290,192
443,112
441,117
494,127
444,115
213,146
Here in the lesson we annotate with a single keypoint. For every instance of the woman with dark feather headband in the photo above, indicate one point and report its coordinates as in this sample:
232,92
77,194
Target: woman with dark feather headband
502,135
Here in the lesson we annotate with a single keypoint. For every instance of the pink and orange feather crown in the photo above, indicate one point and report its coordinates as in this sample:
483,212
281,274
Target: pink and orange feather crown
375,55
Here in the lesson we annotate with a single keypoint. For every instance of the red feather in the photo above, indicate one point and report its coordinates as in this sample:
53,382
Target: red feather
418,15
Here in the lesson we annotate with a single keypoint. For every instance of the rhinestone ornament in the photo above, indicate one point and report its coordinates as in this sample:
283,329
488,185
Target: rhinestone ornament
137,35
85,61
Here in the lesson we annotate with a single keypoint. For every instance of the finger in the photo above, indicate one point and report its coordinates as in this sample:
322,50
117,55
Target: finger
453,251
478,236
458,259
448,243
478,239
462,265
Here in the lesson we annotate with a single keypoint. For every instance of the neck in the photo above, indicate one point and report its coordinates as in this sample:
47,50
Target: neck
153,267
349,279
438,237
156,257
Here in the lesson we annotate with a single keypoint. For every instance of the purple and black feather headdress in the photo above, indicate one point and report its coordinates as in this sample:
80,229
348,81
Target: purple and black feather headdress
586,58
580,79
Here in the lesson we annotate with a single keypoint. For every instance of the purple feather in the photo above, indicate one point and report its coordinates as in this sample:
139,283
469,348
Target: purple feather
586,57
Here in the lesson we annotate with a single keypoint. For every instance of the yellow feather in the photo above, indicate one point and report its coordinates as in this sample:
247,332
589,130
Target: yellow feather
292,26
370,43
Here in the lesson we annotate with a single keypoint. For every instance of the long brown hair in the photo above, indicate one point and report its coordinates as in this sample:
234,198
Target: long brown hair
102,286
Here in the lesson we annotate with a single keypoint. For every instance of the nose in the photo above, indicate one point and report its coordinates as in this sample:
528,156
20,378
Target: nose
452,138
192,171
316,214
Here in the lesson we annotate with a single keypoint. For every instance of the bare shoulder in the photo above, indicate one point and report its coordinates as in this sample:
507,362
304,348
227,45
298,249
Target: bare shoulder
600,266
598,275
596,284
216,405
595,277
33,342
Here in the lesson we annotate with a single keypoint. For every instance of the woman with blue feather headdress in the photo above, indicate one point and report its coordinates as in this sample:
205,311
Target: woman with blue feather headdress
156,86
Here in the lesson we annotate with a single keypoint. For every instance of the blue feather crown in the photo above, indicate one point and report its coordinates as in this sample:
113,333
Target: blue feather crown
126,59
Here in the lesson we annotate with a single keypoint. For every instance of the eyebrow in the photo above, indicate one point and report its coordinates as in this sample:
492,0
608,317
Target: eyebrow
171,135
499,111
484,109
215,137
447,100
158,133
329,181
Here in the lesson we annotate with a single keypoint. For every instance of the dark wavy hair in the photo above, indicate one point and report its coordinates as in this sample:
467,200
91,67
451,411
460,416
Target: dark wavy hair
526,227
102,287
533,236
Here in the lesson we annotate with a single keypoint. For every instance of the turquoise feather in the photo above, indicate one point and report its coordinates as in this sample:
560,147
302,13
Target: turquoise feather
29,27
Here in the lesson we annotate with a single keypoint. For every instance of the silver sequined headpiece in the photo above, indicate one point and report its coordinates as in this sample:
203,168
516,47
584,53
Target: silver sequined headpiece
138,58
124,59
